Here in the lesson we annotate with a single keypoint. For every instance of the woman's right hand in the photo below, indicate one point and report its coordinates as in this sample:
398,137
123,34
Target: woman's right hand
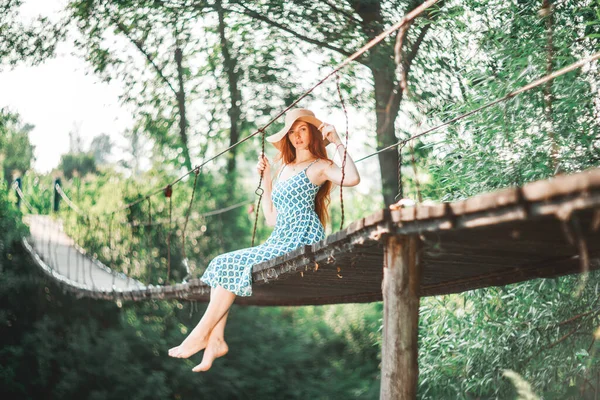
263,166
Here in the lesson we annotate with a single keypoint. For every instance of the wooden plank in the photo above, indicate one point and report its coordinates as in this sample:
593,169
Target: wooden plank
408,214
378,217
432,211
486,201
562,185
355,226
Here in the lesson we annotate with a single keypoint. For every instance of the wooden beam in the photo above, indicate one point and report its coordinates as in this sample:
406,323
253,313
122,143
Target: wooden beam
401,282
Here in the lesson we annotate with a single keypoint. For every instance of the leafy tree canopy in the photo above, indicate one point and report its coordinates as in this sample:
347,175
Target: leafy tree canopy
16,151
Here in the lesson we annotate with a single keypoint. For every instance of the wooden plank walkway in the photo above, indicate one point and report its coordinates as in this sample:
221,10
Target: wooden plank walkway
63,260
544,229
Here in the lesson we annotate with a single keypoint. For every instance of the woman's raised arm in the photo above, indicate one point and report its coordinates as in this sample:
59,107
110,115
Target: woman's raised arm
333,172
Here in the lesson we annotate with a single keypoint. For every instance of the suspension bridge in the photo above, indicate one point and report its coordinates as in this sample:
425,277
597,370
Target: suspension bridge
543,229
540,230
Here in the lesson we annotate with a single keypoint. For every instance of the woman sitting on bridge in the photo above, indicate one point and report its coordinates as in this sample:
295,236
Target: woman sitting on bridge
296,206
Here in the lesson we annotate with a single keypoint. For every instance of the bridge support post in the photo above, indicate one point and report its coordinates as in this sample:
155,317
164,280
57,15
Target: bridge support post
401,285
19,184
56,195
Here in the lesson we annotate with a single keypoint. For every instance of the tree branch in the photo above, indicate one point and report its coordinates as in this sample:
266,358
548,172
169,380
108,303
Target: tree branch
401,63
414,49
255,15
229,64
148,57
342,12
576,317
404,64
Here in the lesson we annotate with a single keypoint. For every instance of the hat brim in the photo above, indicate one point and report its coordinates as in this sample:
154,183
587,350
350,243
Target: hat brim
276,138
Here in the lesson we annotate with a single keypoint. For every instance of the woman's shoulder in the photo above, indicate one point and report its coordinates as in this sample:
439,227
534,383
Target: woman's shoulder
321,165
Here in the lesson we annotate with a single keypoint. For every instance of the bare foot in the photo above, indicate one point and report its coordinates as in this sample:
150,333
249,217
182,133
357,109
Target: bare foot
216,348
190,346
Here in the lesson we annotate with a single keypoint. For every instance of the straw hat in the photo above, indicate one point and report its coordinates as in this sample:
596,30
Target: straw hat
297,114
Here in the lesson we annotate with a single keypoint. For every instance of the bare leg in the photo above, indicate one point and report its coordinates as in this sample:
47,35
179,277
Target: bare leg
217,347
220,302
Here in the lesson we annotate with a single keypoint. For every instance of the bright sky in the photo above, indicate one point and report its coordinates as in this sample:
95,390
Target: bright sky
59,96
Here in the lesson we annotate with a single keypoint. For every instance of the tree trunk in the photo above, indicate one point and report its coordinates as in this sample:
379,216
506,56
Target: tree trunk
229,64
181,106
547,12
401,285
384,71
388,160
380,60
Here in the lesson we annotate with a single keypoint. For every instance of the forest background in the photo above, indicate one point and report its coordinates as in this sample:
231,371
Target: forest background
201,75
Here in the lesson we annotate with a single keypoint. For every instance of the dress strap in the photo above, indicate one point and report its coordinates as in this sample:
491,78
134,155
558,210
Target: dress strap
311,164
281,170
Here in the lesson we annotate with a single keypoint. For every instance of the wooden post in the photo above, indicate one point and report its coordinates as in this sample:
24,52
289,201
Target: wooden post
56,195
401,285
19,185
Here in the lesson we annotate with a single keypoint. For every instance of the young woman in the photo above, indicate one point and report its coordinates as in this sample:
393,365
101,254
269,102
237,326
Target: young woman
296,205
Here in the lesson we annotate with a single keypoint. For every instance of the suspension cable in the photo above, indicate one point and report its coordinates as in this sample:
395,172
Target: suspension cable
529,86
22,196
181,220
187,215
259,190
337,81
68,201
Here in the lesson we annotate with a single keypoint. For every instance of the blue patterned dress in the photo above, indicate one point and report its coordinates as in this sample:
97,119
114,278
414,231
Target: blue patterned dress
297,225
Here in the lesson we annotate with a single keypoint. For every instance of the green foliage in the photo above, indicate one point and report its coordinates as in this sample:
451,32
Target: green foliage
467,340
550,129
11,227
31,42
101,148
16,151
56,346
475,52
72,164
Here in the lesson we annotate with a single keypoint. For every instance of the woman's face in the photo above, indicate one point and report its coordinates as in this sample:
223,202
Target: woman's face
299,135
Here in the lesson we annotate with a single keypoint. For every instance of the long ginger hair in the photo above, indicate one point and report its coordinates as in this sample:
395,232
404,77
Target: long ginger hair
287,153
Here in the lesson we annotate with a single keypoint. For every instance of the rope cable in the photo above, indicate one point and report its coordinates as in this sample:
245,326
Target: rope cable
149,237
68,200
112,267
337,81
195,216
414,165
187,217
259,191
22,196
510,95
400,185
169,194
87,226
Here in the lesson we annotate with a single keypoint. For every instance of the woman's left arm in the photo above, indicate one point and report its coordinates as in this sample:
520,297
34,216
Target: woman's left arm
333,172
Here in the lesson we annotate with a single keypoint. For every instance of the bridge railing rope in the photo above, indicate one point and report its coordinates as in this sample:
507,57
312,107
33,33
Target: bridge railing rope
580,63
19,193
